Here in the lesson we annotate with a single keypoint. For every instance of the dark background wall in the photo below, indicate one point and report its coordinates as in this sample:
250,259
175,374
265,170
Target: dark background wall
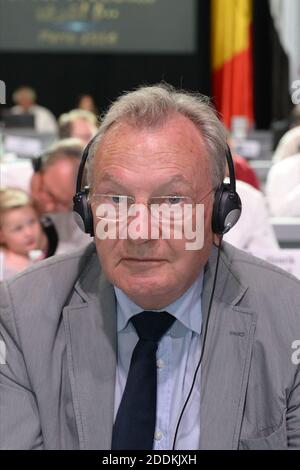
272,101
60,78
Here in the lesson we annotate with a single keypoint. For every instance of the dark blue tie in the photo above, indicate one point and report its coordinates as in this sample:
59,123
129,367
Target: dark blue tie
135,421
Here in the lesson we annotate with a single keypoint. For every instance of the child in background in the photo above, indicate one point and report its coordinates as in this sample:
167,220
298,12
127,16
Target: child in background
22,239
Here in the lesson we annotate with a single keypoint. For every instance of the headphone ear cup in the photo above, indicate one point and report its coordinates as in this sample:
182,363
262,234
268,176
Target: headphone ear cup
37,163
89,225
83,212
227,209
215,214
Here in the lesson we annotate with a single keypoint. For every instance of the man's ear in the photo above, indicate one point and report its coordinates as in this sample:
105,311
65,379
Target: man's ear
2,238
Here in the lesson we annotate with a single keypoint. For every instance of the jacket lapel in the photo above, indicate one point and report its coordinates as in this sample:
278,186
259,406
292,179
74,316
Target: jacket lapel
90,325
226,360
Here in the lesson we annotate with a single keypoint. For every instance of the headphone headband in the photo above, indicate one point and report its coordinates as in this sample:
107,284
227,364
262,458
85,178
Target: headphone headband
82,165
232,179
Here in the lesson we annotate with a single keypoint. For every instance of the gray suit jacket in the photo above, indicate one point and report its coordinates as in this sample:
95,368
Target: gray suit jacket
58,324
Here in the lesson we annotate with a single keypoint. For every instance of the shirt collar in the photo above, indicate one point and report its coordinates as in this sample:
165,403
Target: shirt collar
186,309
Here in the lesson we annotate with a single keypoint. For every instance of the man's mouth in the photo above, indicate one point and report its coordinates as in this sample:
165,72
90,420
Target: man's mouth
143,260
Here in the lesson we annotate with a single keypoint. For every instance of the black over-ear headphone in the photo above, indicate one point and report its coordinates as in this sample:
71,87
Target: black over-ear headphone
227,205
81,207
226,211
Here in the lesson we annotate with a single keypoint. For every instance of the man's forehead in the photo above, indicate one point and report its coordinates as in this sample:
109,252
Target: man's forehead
64,165
60,178
107,177
175,131
166,155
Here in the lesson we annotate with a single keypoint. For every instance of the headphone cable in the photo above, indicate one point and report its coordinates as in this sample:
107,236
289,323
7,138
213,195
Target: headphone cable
204,342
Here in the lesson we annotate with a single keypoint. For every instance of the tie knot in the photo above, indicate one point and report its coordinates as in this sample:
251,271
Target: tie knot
151,326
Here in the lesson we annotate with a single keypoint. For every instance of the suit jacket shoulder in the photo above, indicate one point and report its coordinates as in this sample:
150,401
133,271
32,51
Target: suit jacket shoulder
50,280
251,355
264,282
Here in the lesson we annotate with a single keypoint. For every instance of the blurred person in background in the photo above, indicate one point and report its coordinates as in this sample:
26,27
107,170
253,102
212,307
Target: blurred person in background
283,182
295,116
289,144
87,103
248,235
53,180
22,238
283,187
78,123
52,188
254,231
50,180
25,102
244,172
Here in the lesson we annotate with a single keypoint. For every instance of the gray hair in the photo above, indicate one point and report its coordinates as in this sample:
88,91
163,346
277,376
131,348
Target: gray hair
152,106
70,149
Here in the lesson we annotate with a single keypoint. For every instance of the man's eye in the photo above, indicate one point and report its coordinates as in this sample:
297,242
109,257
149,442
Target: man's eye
116,199
172,200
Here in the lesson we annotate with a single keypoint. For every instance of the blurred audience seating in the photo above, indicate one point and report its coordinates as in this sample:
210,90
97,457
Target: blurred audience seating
287,231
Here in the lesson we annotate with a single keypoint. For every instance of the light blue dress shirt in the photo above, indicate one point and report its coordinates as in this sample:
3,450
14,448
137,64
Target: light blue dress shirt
177,355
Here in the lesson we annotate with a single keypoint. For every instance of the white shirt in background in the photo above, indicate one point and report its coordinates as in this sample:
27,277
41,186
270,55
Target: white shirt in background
45,121
254,230
288,145
283,188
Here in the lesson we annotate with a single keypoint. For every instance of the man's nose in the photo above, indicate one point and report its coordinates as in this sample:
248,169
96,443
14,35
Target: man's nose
139,224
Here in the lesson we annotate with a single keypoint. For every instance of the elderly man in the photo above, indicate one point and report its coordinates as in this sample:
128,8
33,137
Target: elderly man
151,342
53,180
52,186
